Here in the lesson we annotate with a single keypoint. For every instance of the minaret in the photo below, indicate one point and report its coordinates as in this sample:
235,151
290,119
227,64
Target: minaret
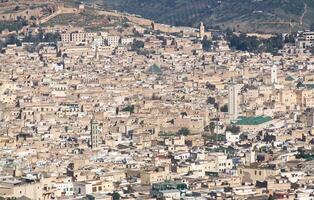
233,99
250,157
274,74
96,53
94,134
202,30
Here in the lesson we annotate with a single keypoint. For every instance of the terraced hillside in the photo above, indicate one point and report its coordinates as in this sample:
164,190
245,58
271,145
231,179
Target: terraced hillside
242,15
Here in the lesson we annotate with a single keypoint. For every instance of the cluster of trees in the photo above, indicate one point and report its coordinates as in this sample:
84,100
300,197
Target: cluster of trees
206,44
233,129
304,155
34,39
116,196
136,33
243,42
212,101
12,39
215,137
12,25
184,131
211,127
210,86
43,37
129,109
137,45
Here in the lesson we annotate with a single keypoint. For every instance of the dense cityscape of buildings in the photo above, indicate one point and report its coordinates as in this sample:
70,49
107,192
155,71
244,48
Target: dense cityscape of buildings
137,113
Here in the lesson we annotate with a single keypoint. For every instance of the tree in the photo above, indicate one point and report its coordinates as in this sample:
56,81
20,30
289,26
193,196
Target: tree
212,126
312,27
206,44
271,197
137,45
224,108
136,33
233,129
183,114
13,40
41,37
312,50
210,86
129,109
52,37
116,196
211,100
289,39
184,131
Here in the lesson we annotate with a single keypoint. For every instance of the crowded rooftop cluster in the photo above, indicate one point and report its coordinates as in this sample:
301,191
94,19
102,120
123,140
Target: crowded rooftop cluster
135,109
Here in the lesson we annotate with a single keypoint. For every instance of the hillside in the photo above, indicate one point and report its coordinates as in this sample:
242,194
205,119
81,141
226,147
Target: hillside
241,15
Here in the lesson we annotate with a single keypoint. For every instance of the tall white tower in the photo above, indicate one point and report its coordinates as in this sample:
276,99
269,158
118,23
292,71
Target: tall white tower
250,157
233,99
202,31
94,141
273,74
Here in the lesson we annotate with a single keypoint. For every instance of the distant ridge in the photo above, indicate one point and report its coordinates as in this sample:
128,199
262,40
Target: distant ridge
267,16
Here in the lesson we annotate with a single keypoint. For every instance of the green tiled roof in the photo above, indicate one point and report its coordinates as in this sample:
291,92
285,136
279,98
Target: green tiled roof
256,120
309,86
289,78
154,69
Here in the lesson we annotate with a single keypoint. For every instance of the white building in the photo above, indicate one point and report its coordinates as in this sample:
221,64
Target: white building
250,157
98,41
113,40
66,188
126,41
232,137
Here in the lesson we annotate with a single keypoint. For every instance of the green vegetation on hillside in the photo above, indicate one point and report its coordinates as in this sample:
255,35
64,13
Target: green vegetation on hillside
241,15
243,42
12,25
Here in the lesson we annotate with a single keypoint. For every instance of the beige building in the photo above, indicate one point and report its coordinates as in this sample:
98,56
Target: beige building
15,188
252,174
149,177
